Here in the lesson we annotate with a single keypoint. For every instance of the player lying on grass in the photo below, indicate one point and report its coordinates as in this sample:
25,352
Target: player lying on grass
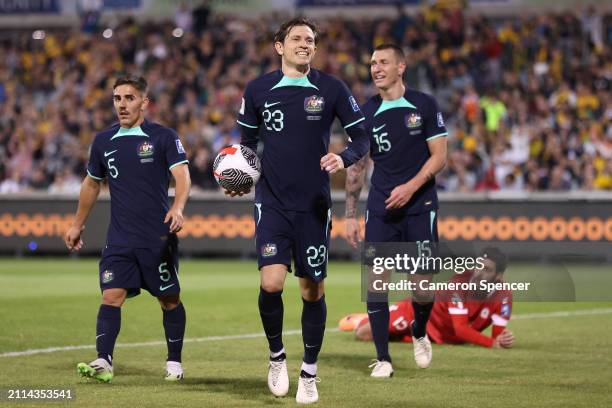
458,316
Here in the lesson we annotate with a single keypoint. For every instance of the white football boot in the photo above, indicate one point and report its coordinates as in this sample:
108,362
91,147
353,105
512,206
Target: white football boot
422,351
381,369
278,379
307,390
174,371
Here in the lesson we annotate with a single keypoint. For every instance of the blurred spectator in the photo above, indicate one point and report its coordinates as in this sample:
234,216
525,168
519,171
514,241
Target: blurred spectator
66,182
201,170
526,99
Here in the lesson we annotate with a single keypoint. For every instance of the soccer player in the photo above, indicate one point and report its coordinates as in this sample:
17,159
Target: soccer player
458,316
137,157
408,148
292,110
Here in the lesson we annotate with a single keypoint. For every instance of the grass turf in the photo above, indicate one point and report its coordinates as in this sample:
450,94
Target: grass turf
557,361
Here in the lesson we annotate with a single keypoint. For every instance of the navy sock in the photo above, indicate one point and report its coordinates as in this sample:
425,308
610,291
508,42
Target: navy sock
421,316
174,327
378,314
107,330
271,311
314,315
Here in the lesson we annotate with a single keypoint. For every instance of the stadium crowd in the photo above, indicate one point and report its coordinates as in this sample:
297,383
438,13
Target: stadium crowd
527,100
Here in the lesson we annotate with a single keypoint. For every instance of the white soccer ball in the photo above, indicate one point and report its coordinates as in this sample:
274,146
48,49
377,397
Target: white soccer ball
237,168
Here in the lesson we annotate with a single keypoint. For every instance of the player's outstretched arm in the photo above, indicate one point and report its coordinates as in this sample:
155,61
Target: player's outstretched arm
468,334
402,194
90,189
181,194
355,178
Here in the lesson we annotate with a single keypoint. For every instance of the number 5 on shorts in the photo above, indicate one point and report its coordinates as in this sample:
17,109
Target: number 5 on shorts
164,273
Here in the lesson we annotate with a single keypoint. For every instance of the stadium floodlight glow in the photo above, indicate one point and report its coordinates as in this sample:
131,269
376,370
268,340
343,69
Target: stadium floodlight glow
177,32
108,33
39,35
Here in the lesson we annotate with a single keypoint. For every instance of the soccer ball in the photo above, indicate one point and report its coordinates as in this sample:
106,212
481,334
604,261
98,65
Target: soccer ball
237,168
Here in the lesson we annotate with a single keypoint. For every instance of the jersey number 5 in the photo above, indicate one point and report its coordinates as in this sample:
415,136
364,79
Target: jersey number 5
273,120
112,170
384,145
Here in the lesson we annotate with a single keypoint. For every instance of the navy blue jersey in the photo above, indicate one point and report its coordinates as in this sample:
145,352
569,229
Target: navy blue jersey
137,163
293,116
399,131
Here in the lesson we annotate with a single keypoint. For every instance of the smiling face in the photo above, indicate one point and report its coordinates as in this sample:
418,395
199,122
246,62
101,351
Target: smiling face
130,104
298,48
386,68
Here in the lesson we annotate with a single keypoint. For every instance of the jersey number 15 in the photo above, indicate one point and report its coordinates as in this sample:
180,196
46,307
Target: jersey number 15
384,145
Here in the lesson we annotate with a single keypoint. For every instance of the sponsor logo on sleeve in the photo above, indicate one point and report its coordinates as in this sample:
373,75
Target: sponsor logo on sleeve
242,107
354,104
179,147
440,119
505,310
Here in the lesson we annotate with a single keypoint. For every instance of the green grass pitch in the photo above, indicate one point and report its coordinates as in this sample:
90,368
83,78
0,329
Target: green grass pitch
563,360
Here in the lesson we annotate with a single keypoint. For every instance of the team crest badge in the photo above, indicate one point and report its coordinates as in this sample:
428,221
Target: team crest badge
484,313
268,250
370,252
413,120
145,149
314,104
107,276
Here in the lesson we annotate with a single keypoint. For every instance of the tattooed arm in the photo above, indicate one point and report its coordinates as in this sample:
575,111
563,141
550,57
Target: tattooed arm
402,194
355,176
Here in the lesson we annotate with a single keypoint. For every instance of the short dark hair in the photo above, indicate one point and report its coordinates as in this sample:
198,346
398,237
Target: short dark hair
399,53
497,256
136,81
284,29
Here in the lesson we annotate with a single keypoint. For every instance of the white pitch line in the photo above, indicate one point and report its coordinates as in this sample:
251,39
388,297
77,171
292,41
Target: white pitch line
561,314
525,316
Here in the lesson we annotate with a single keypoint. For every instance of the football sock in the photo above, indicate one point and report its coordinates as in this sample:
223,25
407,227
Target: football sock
378,314
174,327
107,330
308,370
278,356
421,316
314,315
271,311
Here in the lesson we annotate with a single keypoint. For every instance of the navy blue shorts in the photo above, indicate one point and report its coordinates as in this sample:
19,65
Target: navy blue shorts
281,236
399,228
153,269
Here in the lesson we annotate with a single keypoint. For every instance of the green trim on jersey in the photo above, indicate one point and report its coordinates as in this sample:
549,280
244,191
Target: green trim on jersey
432,217
304,82
94,177
249,126
396,103
258,207
135,131
354,123
443,134
176,164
